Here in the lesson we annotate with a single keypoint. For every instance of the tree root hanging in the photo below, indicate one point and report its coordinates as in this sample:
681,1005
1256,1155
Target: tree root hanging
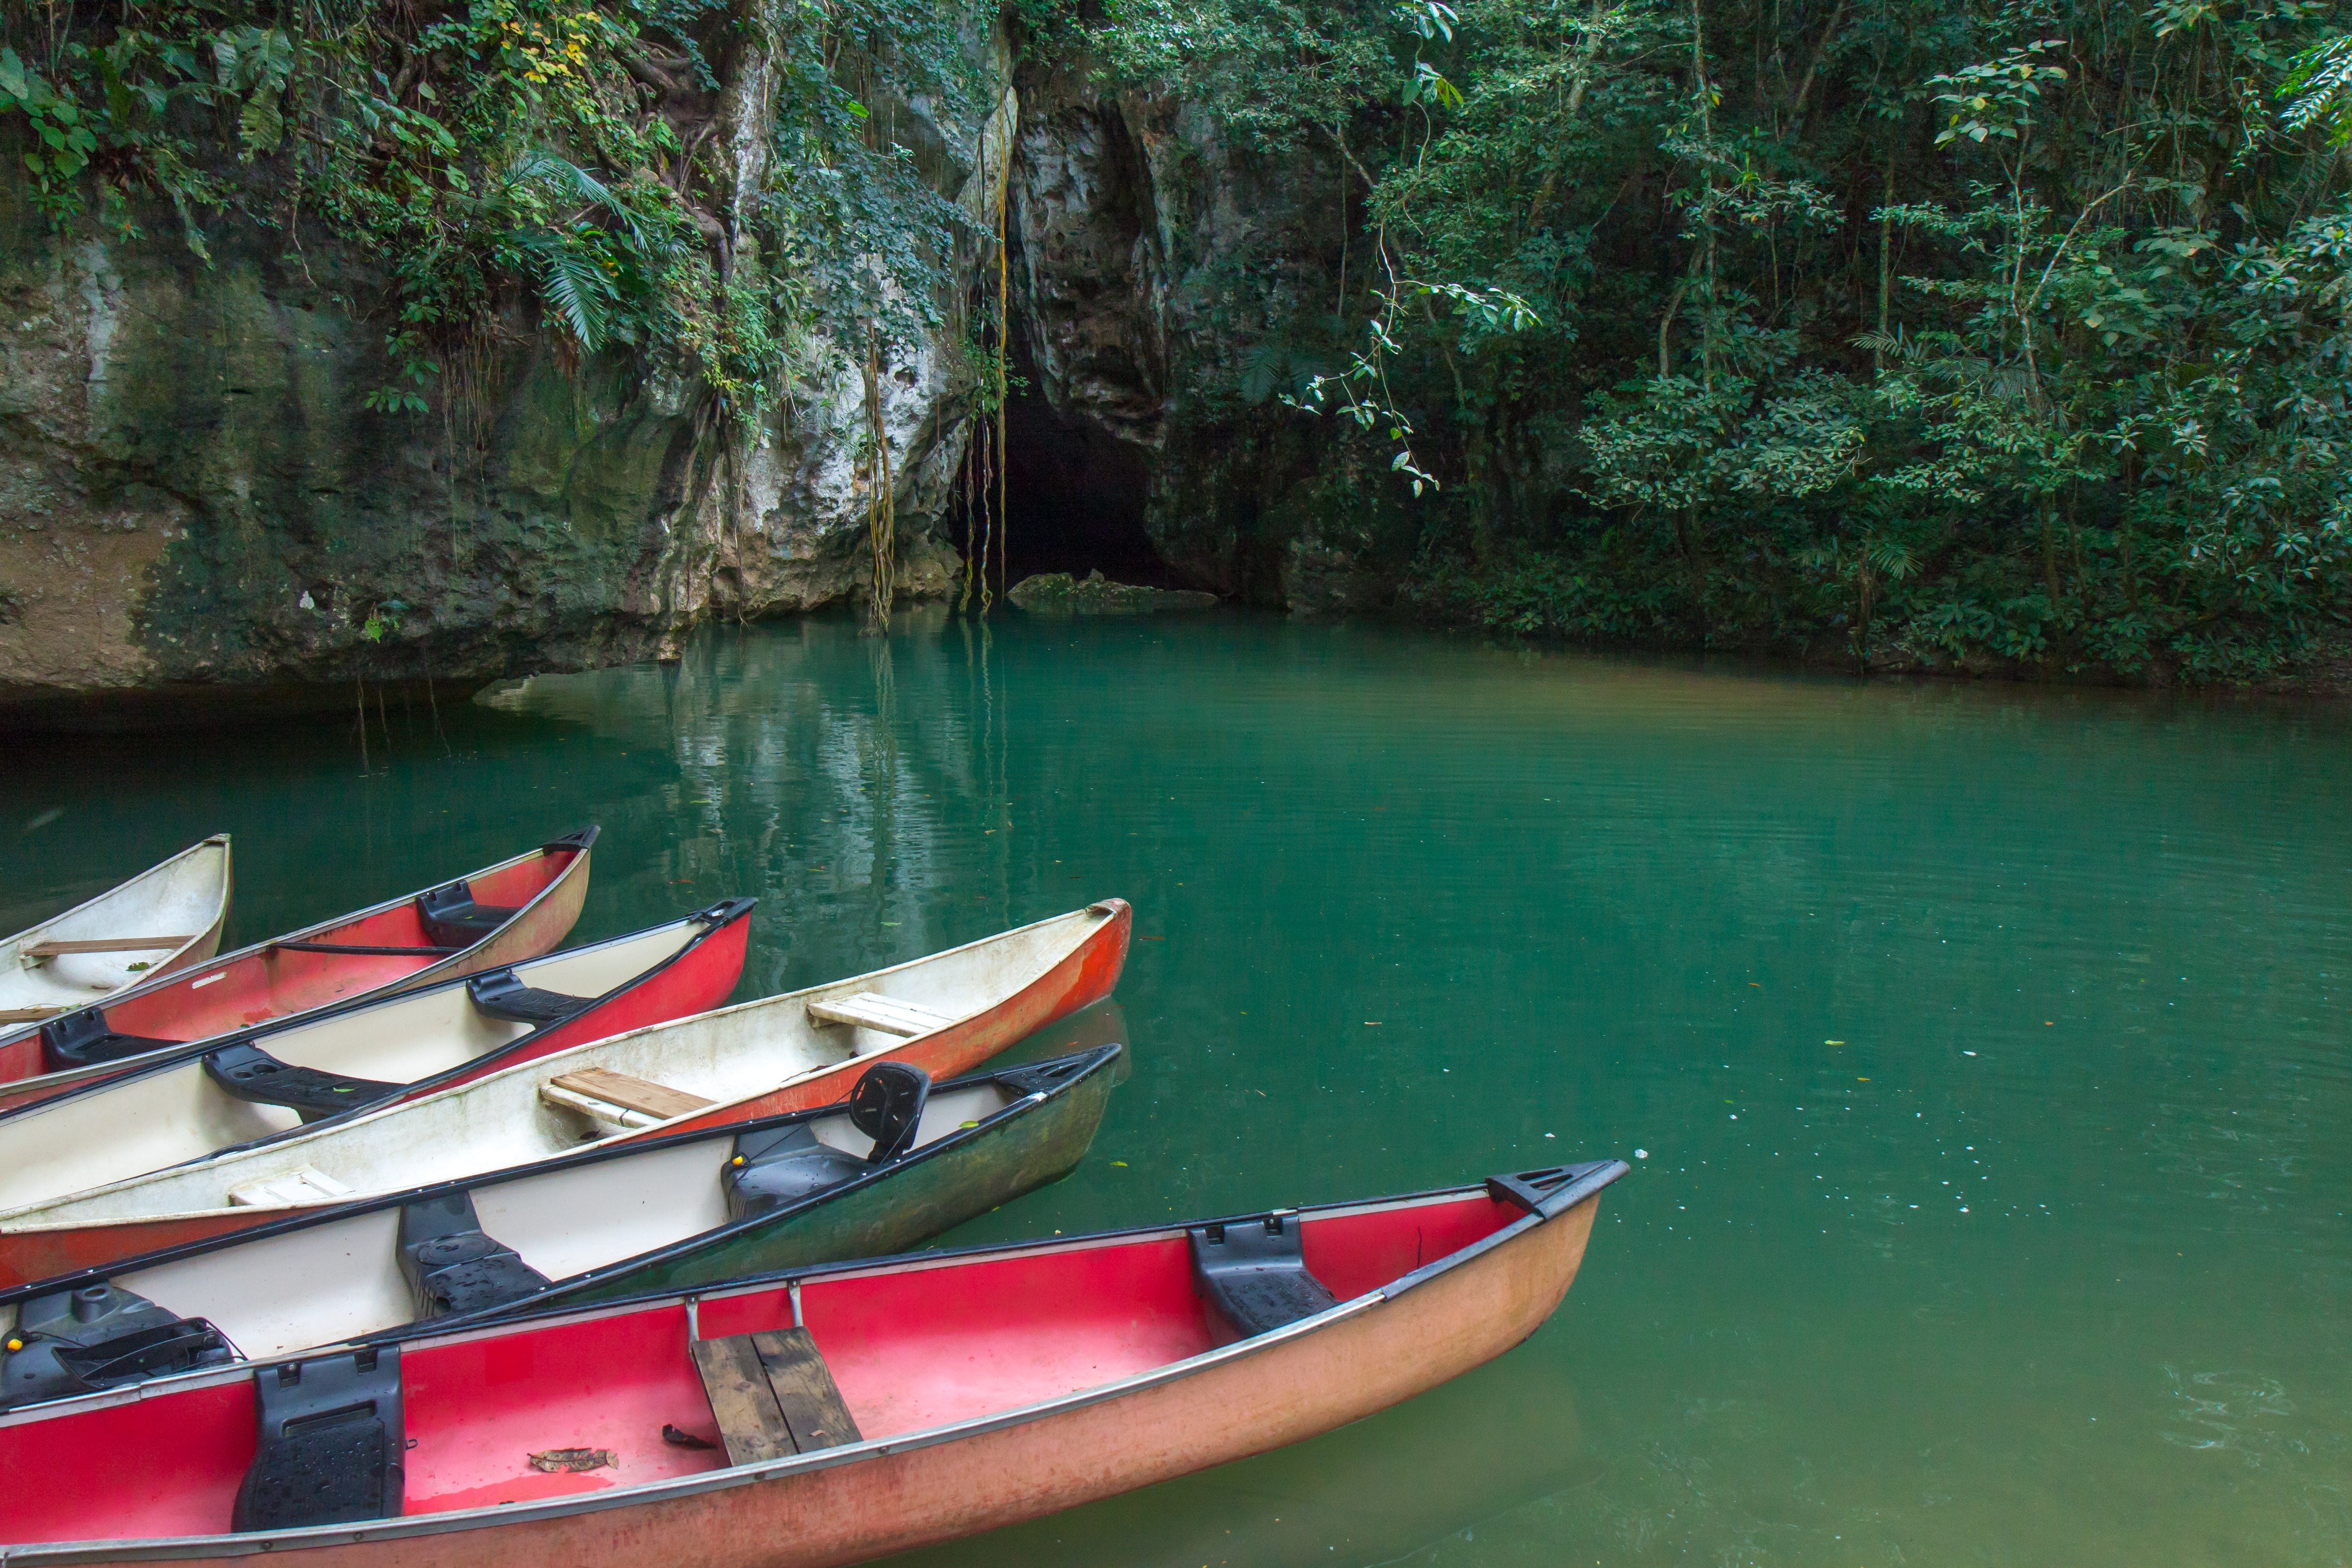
881,503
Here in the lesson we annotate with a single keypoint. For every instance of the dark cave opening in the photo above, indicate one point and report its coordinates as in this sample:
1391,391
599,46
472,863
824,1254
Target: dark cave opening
1073,497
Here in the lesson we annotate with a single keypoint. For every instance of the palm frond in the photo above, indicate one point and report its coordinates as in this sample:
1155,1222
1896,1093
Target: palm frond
568,181
2319,91
578,290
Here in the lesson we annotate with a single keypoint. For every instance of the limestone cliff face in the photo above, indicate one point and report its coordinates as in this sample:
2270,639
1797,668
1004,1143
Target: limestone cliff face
200,518
1152,314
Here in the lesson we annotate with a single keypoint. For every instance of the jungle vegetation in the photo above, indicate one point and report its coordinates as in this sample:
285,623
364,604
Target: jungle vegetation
2002,332
582,154
1998,332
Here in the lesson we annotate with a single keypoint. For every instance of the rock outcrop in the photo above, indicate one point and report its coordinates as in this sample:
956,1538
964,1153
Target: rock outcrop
1159,269
200,516
1059,594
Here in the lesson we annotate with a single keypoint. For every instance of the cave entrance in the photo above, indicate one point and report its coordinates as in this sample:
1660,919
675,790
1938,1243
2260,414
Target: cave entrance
1073,496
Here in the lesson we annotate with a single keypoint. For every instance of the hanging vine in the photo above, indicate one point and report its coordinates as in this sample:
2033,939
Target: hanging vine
999,363
983,478
881,502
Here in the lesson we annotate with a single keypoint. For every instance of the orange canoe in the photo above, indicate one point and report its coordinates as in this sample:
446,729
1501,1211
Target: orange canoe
826,1418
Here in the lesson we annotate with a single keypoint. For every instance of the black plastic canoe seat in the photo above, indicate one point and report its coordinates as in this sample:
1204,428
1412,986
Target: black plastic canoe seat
502,995
245,1072
82,1038
331,1445
98,1335
453,919
774,1395
887,1105
453,1267
779,1167
1253,1272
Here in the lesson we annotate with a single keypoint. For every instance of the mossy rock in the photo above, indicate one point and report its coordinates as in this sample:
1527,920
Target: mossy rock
1059,594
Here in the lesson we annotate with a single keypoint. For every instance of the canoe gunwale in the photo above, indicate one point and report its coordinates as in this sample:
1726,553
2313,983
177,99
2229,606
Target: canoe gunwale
1106,931
1558,1208
1095,1059
465,961
1595,1176
713,920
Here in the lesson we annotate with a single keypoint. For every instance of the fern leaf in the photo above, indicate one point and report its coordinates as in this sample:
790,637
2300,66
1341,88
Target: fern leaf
578,291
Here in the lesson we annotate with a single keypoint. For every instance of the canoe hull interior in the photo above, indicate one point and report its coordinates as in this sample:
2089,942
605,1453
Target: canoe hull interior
618,1220
174,1113
272,981
989,1388
77,959
1087,975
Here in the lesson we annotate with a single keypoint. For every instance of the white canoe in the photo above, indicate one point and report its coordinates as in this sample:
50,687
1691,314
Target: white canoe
519,908
253,1088
166,916
946,1013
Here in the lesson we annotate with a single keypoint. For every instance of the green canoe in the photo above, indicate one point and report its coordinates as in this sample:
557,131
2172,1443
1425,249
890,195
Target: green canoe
899,1162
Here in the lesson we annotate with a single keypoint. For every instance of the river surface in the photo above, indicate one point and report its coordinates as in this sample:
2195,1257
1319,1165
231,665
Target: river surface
1981,1052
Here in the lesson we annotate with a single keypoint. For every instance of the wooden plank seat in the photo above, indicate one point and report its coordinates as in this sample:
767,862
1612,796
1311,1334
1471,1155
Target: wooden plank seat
619,1099
104,945
871,1010
774,1395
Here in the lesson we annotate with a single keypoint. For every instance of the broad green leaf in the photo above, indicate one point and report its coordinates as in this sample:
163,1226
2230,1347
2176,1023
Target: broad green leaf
262,125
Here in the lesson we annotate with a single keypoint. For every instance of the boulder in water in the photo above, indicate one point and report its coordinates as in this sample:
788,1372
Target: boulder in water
1059,594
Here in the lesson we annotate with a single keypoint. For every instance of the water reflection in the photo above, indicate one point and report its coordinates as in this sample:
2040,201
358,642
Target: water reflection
1376,1491
1988,1045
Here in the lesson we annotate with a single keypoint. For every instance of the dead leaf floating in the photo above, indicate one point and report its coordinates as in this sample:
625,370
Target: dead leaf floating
572,1462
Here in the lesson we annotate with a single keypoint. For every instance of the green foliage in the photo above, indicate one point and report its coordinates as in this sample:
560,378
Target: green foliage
384,620
1987,334
489,149
2318,91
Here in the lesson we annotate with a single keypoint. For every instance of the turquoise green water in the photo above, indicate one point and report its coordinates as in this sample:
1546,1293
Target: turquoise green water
1986,1046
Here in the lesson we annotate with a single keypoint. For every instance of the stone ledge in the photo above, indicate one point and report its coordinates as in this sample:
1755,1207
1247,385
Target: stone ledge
1059,594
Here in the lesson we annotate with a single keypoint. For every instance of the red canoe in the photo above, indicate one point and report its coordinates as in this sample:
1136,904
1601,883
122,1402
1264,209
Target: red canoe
253,1092
72,1195
849,1412
517,909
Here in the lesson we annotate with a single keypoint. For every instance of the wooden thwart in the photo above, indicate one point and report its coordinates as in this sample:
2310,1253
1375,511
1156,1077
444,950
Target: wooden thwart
774,1395
602,1093
104,945
27,1015
869,1010
750,1421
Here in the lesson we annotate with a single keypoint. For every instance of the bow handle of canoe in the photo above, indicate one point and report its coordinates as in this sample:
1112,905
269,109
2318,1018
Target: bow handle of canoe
1553,1190
579,841
724,910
